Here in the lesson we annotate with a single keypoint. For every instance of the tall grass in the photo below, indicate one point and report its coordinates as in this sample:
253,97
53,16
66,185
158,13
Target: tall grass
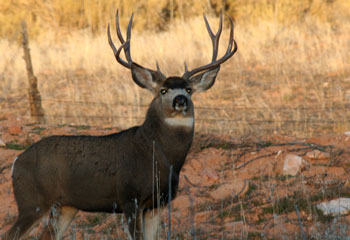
292,54
93,15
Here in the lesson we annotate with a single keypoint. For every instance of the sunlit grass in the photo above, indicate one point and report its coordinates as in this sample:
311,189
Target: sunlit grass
281,67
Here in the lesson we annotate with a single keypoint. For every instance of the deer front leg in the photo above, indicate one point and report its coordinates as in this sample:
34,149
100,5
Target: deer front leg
151,223
134,218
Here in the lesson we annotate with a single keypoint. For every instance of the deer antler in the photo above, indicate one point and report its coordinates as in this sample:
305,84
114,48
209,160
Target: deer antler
125,44
215,42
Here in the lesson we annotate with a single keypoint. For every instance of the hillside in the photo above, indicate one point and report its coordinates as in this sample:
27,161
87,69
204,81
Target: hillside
230,188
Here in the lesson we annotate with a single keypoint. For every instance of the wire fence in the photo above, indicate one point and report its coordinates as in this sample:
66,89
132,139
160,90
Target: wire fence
309,107
299,121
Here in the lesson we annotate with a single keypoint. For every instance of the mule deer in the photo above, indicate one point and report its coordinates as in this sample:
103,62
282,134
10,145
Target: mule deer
121,172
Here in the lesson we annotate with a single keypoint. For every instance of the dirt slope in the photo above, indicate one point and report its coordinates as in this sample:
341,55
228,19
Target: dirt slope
229,188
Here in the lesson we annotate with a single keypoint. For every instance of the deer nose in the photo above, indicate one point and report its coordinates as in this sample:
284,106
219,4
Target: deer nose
180,102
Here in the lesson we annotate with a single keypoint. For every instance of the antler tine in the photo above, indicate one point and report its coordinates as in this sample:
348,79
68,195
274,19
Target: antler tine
120,49
120,36
126,46
186,69
128,35
231,41
115,51
158,70
215,40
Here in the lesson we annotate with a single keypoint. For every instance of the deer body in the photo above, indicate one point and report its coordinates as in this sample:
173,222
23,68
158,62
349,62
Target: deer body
118,172
114,166
126,172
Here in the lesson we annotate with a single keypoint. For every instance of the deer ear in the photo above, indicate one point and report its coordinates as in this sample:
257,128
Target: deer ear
204,81
146,78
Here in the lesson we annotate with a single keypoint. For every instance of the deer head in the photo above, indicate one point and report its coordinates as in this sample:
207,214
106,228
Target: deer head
173,94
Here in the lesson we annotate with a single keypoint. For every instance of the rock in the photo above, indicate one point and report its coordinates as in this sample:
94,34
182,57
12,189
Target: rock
181,202
209,177
213,158
293,164
317,154
189,176
15,129
196,164
230,189
347,183
2,143
209,158
347,134
176,218
201,177
336,172
340,206
234,226
203,216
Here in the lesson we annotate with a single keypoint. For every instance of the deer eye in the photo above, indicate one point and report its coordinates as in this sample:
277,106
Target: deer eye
188,90
163,91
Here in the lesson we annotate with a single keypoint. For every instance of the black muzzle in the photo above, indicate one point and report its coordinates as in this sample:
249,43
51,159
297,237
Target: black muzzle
180,103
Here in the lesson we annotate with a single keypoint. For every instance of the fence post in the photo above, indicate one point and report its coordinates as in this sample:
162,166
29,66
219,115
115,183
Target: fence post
36,110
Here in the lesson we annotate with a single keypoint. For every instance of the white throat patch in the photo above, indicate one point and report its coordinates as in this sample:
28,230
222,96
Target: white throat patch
180,122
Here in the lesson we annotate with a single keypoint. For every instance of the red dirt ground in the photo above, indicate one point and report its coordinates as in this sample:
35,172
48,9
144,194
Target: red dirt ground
229,188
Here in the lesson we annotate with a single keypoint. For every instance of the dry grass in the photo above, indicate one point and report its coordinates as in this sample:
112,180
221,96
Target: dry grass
289,75
93,15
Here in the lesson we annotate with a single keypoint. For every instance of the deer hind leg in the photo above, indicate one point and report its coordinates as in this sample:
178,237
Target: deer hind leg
25,222
60,219
151,223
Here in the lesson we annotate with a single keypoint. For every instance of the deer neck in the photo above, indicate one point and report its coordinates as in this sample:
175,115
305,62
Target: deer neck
172,134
